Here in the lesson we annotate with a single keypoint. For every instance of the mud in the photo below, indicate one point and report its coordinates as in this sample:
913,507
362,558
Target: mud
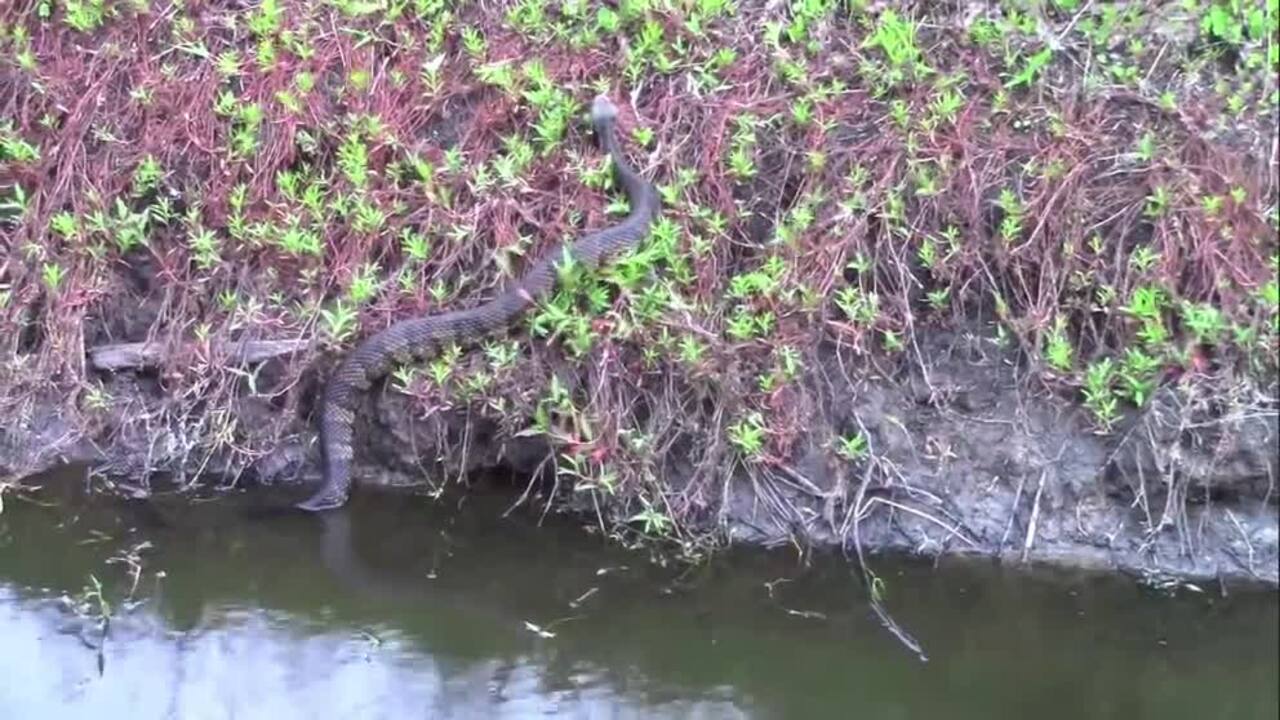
964,457
979,465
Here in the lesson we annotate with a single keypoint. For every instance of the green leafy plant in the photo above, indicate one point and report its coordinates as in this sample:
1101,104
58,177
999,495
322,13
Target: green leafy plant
1147,305
1099,395
1058,352
748,434
339,322
896,38
52,274
353,159
1011,223
1205,322
84,15
1138,376
364,285
1032,67
14,148
655,521
853,447
1233,21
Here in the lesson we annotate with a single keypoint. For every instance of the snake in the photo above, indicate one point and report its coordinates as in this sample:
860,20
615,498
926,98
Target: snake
415,339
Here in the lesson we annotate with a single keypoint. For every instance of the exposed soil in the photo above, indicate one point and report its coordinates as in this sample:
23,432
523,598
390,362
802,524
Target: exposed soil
934,277
965,461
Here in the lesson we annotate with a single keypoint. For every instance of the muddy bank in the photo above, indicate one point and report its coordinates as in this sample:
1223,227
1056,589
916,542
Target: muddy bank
1098,186
961,458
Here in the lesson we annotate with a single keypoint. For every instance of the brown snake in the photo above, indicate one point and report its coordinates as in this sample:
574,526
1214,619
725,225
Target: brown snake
417,338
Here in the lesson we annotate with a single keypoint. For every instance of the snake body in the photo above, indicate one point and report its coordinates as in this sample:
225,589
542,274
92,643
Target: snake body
418,338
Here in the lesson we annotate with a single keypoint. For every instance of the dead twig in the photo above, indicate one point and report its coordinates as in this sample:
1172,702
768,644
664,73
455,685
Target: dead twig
141,355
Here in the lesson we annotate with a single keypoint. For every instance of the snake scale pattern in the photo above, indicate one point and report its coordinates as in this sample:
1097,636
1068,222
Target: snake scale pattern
418,338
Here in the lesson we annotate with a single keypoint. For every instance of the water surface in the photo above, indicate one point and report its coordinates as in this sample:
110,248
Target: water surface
407,607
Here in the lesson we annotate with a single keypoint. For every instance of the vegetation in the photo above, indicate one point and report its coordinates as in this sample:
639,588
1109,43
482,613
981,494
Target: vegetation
1094,185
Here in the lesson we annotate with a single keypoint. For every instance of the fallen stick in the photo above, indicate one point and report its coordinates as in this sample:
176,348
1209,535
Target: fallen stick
124,356
1035,516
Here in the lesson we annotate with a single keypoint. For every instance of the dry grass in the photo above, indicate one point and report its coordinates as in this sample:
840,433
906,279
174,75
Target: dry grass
204,173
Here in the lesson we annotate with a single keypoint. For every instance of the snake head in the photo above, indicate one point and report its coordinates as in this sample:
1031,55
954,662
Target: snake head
603,110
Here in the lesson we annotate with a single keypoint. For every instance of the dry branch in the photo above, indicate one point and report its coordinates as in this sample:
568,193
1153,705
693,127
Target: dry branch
125,356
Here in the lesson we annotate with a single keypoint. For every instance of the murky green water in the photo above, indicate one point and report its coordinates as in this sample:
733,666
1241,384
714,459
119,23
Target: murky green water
405,608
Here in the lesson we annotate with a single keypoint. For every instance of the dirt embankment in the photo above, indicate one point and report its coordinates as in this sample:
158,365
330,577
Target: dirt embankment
929,276
961,458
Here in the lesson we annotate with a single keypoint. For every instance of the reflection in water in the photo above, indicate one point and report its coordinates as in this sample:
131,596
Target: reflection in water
401,607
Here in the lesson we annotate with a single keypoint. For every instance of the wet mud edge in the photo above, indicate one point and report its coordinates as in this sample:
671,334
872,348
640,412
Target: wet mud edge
964,458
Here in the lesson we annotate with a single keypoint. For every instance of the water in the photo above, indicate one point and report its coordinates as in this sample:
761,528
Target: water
404,607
